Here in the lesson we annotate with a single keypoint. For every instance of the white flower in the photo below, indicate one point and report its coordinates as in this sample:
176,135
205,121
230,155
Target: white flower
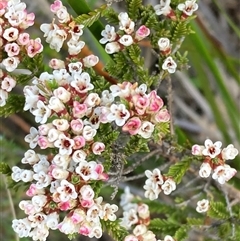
22,227
30,157
61,124
3,97
202,206
212,149
146,129
130,218
63,15
16,173
92,100
62,94
112,47
152,191
75,46
108,34
90,61
26,175
32,138
39,202
140,229
126,197
8,83
67,191
168,238
168,186
229,153
163,8
205,170
11,63
12,49
39,233
79,156
197,150
155,176
169,65
10,34
87,170
75,67
188,7
108,212
223,173
164,44
96,232
126,40
107,98
81,82
56,104
42,112
59,173
52,220
125,24
64,144
42,178
119,114
88,133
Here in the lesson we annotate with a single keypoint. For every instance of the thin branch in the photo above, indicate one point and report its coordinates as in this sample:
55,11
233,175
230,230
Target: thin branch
11,203
170,101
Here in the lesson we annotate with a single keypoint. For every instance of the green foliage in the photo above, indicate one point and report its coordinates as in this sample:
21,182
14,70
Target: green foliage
178,170
158,225
224,230
195,221
157,207
218,210
88,19
115,230
133,8
160,130
179,29
35,65
136,144
182,233
111,16
5,168
15,104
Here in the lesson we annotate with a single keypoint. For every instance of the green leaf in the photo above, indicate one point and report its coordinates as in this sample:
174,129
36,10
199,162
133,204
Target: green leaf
167,226
115,230
178,170
218,210
136,144
88,19
15,104
182,233
195,221
5,168
133,8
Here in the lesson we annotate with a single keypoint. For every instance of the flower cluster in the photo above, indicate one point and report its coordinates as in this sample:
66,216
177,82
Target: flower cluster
164,8
123,38
136,216
215,160
156,183
65,29
15,42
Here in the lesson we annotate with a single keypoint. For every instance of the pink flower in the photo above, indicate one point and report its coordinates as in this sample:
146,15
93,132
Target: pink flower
8,83
76,126
90,61
140,103
101,175
162,116
56,64
34,47
23,39
79,110
64,206
142,33
156,103
12,49
197,150
132,126
98,148
43,142
56,6
79,142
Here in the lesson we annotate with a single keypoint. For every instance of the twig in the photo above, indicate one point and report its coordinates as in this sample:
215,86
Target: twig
10,202
170,101
177,47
